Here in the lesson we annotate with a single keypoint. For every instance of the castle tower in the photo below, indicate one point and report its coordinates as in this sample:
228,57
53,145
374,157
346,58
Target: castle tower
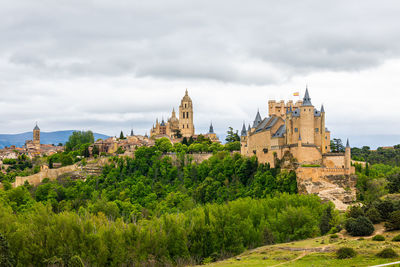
186,116
36,136
307,120
323,134
347,156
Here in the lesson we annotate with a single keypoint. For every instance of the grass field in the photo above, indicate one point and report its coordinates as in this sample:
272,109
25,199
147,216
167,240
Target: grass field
317,252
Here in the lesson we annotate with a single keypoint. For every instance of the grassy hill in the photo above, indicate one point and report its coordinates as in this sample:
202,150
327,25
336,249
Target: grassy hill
319,251
45,138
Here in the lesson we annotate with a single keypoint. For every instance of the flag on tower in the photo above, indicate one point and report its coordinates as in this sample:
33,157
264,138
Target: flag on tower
296,94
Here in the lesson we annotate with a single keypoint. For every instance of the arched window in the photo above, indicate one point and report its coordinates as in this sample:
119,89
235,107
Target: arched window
187,115
183,114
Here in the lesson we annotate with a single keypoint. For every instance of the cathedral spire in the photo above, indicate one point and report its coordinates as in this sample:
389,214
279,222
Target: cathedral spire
307,98
347,143
322,108
186,92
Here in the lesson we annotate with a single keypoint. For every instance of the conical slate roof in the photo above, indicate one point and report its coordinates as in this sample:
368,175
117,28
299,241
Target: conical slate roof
244,132
211,128
36,128
347,143
307,99
257,120
322,108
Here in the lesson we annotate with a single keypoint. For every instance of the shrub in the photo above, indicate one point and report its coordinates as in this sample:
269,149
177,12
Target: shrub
345,253
396,238
361,226
354,212
378,238
374,215
385,208
393,222
334,236
387,253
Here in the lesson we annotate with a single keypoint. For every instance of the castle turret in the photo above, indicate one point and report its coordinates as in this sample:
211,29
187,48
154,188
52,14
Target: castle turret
257,120
211,130
347,156
324,141
243,132
186,116
307,120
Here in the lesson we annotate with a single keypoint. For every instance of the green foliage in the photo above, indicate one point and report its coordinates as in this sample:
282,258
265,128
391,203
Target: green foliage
77,139
361,226
386,156
393,222
208,231
345,253
325,224
374,215
387,253
232,136
6,256
121,135
378,238
354,211
337,145
334,236
396,238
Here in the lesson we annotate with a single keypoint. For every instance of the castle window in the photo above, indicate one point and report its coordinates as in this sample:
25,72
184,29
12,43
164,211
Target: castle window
185,105
316,130
296,130
183,114
326,137
187,126
187,115
183,126
326,147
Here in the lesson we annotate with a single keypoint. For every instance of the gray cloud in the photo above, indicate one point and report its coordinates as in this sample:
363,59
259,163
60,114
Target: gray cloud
111,65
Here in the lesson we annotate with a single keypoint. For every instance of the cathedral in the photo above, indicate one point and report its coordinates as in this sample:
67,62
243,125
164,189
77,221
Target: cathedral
176,128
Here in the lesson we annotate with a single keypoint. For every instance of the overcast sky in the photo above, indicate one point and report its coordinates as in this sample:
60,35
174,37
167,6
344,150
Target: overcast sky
114,65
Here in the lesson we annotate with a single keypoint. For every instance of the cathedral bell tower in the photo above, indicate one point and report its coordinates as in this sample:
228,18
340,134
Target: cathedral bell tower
36,136
186,116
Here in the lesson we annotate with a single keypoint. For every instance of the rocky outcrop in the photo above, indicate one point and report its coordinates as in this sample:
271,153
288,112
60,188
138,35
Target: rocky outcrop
329,184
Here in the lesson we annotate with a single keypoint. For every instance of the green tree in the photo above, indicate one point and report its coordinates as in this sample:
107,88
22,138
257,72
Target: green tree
77,139
6,256
232,136
121,135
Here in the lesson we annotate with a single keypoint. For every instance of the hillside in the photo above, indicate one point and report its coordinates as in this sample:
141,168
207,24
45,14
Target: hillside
320,251
45,138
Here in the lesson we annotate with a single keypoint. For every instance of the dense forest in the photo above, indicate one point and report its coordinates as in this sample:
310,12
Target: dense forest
159,210
156,210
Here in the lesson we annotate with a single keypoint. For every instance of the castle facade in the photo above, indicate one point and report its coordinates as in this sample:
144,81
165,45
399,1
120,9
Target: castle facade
296,128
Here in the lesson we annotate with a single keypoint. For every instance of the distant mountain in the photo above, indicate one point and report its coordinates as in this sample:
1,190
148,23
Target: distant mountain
45,138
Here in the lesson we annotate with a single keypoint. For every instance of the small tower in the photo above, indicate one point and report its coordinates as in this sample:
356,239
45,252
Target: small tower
211,130
186,116
257,120
307,127
36,136
243,133
347,156
131,132
324,145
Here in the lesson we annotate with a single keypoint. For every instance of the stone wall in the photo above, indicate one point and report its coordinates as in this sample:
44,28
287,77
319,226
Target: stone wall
196,157
37,178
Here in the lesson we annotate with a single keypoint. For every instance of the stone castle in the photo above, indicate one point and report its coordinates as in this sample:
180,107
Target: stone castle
176,128
297,132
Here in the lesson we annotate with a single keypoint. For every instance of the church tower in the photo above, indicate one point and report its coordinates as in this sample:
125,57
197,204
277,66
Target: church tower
36,136
186,116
